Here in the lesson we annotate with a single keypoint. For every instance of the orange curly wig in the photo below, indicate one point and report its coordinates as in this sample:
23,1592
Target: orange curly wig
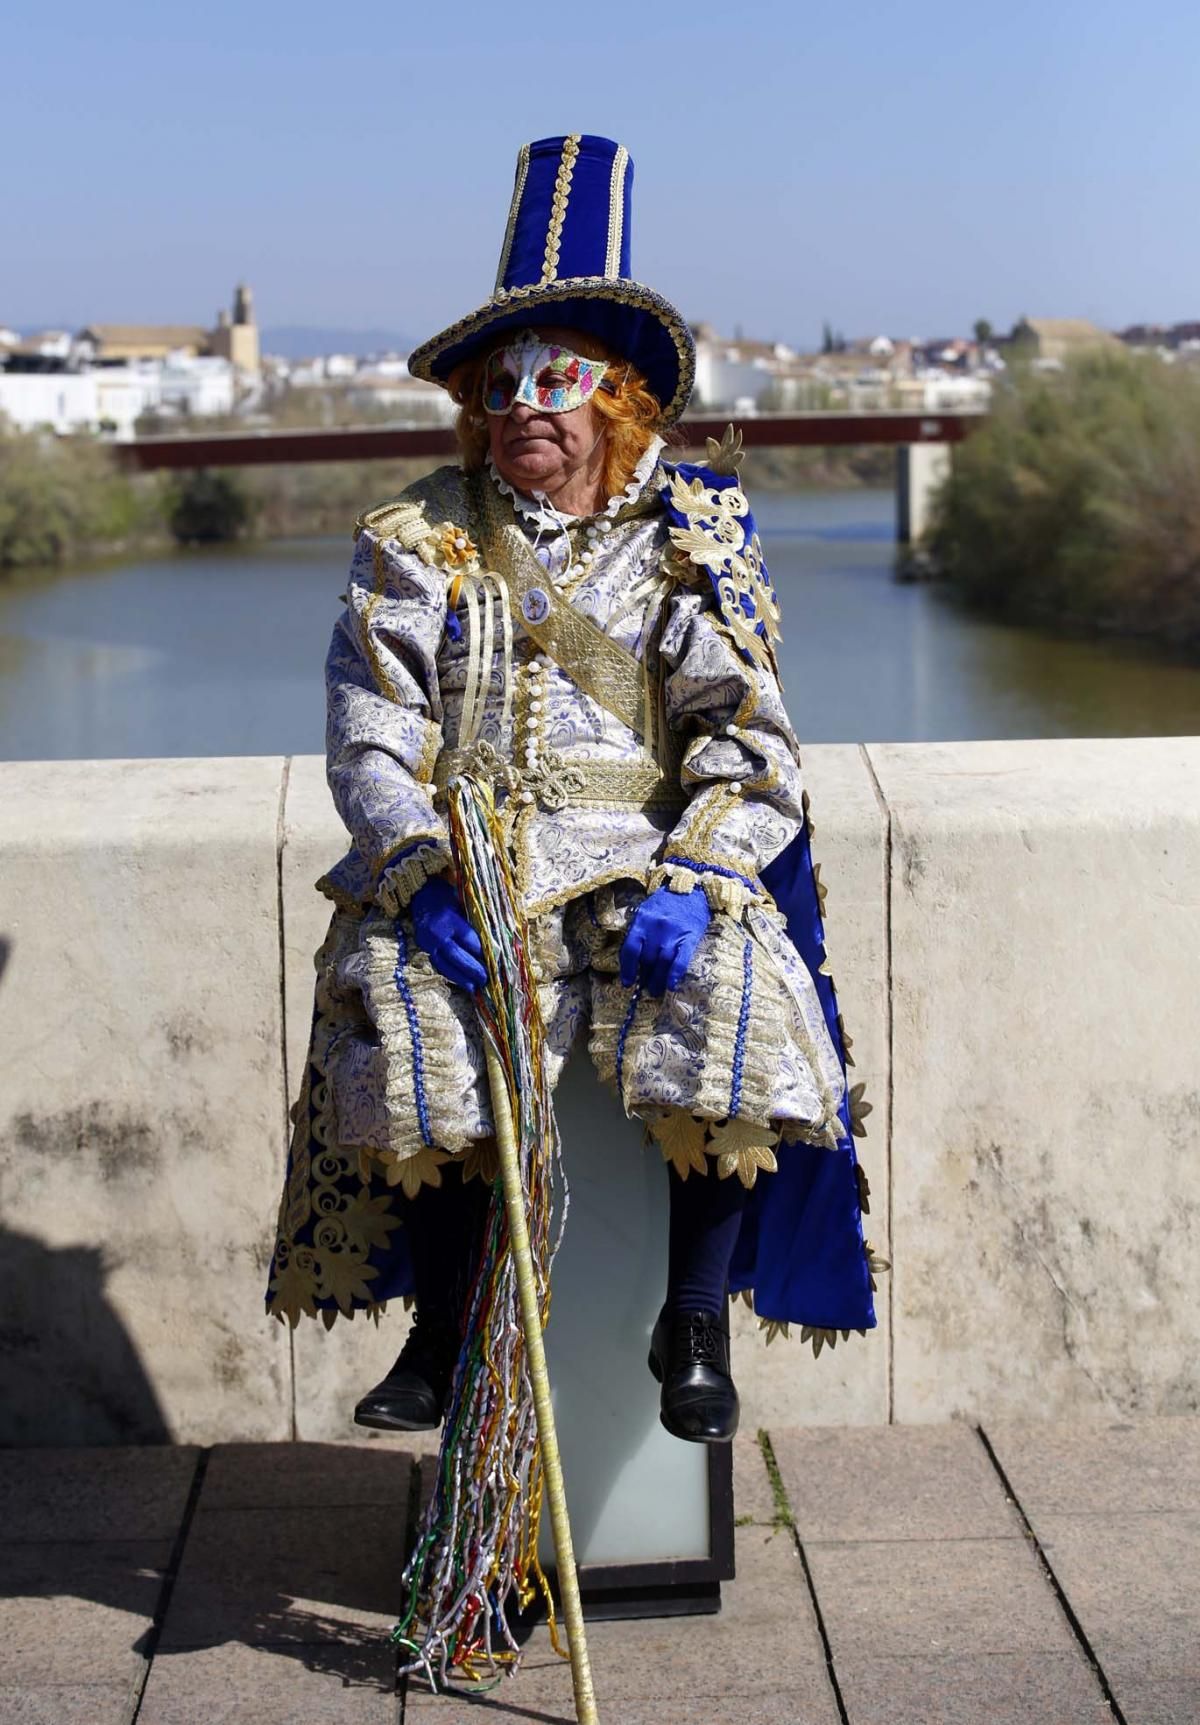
631,410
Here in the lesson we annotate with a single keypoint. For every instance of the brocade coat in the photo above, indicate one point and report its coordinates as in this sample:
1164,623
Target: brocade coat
614,679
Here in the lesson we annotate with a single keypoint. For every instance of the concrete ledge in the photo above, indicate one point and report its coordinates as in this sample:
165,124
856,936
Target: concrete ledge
1045,945
142,1102
1014,935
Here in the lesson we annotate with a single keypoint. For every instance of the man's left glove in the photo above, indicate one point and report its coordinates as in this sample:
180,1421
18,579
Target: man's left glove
445,934
662,937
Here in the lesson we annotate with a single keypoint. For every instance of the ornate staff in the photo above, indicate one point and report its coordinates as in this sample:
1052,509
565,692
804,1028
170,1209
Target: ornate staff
478,1540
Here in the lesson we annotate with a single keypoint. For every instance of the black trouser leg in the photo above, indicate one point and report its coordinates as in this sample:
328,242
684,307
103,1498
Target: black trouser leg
706,1214
445,1228
445,1232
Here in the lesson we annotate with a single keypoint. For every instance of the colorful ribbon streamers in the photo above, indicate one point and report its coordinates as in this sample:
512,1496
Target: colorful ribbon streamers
476,1552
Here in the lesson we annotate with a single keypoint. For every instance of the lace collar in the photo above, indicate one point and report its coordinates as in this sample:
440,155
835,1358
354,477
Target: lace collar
542,513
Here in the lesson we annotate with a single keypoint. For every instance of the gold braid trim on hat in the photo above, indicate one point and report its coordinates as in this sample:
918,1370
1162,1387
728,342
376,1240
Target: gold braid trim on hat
558,207
514,211
616,212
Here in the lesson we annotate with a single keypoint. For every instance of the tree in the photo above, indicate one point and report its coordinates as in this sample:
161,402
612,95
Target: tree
207,508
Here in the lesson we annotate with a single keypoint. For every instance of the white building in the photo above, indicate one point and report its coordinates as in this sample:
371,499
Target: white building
63,401
339,366
110,399
408,397
123,394
196,385
736,374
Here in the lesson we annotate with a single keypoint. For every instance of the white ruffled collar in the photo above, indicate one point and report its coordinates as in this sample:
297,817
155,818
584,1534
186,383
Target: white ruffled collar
542,513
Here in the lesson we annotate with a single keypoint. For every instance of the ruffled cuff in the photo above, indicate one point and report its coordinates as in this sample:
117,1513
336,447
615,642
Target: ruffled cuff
407,873
724,888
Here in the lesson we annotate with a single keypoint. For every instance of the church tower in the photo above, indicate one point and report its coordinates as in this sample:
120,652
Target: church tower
237,341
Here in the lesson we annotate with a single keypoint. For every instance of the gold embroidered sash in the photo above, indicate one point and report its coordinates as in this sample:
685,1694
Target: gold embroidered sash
600,666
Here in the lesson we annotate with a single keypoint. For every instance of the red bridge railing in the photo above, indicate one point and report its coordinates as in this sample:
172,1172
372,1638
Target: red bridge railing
384,443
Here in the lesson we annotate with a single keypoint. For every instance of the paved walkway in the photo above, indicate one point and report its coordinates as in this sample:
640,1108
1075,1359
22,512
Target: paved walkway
1025,1575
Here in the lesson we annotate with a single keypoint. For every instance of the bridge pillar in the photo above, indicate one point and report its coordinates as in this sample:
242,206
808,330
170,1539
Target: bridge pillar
919,468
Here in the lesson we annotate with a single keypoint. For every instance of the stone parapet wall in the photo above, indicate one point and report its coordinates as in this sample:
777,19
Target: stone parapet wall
1014,930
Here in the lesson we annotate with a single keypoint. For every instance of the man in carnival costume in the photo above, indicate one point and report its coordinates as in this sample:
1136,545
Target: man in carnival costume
590,628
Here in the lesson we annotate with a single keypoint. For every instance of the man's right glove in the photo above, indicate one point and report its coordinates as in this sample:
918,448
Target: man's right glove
445,934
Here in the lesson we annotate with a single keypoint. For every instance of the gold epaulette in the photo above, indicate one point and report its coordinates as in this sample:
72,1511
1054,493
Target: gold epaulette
430,517
402,519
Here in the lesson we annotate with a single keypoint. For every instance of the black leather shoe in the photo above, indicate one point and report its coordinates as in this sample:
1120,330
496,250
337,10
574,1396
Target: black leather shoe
689,1355
412,1398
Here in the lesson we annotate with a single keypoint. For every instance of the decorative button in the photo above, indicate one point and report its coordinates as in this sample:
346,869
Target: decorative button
526,796
535,606
731,730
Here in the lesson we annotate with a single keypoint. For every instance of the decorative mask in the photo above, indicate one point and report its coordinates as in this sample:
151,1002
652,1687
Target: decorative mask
541,374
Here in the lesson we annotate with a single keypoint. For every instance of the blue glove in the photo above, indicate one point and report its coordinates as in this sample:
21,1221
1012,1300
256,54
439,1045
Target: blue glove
445,934
662,937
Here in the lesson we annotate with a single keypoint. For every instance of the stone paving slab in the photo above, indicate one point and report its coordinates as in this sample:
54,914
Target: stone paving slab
998,1689
85,1494
75,1613
66,1704
1150,1467
919,1598
892,1482
763,1646
285,1575
1116,1509
1151,1693
231,1684
292,1476
810,1705
1133,1581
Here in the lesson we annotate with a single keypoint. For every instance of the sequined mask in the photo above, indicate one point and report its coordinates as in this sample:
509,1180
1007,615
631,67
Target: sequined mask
541,374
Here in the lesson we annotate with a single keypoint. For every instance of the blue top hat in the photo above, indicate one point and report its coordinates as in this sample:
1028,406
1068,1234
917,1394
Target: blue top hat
565,261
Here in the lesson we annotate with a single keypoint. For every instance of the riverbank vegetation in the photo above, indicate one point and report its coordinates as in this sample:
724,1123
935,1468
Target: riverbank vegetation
61,500
1076,503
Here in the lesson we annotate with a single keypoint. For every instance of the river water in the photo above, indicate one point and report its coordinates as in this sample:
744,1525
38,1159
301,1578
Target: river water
220,652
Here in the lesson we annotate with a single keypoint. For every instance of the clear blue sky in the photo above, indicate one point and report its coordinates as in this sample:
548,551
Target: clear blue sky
893,168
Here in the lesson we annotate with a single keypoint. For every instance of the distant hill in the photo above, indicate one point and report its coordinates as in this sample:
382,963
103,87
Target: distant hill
298,341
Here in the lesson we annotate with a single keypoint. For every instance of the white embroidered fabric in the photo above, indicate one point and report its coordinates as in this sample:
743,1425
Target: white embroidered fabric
398,683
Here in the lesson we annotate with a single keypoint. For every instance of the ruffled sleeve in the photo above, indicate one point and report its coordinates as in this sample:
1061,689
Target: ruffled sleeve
384,720
740,758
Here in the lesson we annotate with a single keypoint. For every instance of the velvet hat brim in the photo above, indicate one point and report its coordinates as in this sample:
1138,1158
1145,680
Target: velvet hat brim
633,320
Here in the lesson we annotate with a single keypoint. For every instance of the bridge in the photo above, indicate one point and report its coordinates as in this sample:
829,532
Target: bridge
922,442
